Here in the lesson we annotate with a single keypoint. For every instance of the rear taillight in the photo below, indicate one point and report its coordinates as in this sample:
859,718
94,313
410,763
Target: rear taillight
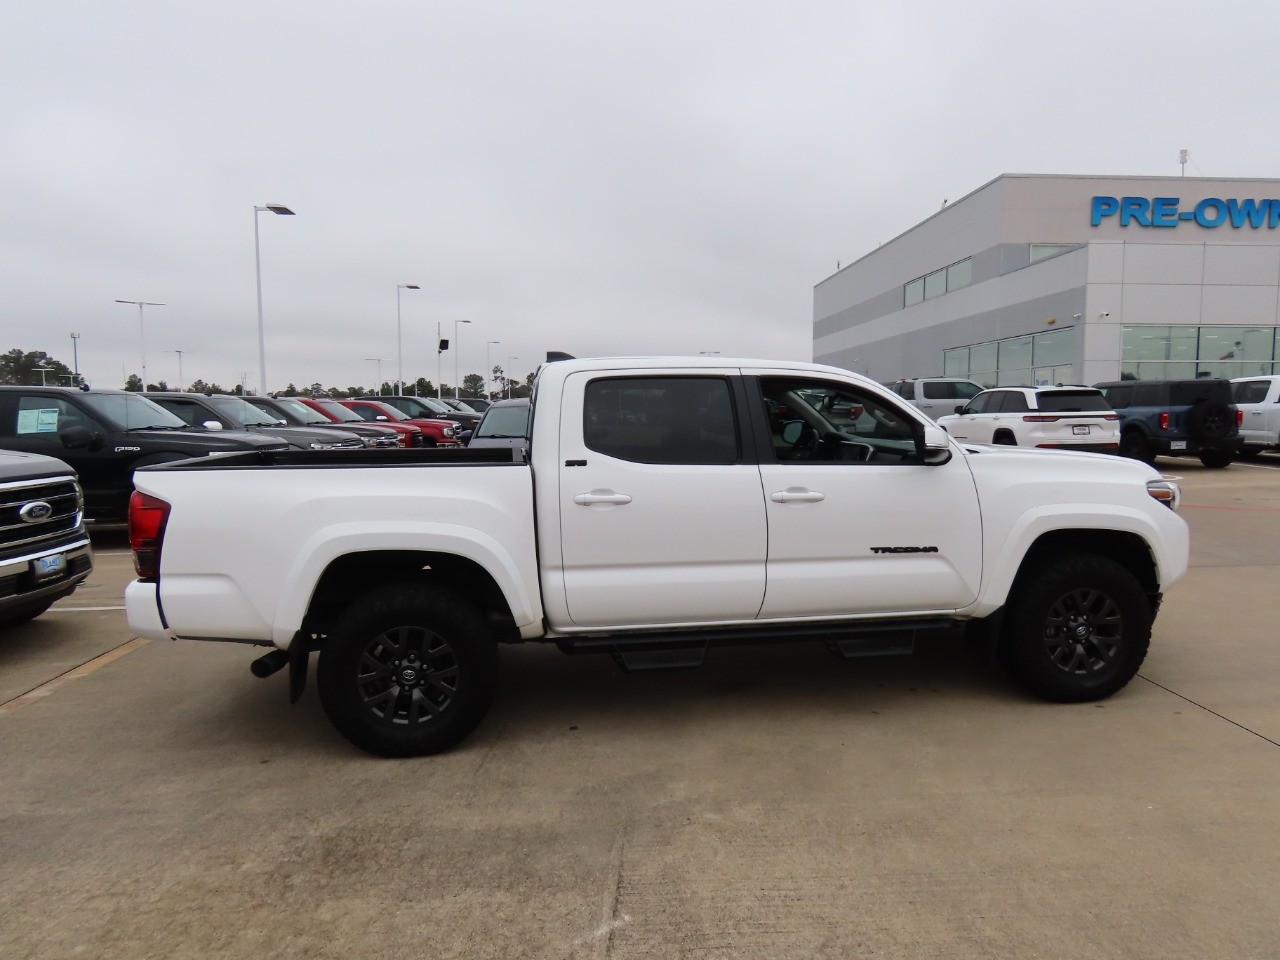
148,516
1164,420
1039,418
1239,418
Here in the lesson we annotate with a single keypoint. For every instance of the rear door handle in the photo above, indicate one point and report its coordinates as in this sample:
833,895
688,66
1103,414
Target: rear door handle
587,499
797,496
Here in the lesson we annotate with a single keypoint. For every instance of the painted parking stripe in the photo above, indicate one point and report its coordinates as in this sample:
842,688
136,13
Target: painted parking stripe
39,693
76,609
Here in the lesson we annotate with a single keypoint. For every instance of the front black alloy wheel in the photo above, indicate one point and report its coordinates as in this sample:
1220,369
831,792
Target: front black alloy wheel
1077,629
1135,446
408,670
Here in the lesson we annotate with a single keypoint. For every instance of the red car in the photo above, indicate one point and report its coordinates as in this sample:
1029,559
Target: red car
443,432
410,436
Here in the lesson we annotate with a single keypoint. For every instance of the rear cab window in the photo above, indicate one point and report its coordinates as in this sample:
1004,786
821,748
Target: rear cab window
1073,401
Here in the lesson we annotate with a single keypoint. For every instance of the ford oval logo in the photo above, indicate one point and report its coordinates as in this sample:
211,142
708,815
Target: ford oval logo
35,511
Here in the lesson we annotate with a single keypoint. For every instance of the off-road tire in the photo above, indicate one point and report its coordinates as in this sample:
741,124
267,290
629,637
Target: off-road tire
1076,629
1136,446
408,670
1216,459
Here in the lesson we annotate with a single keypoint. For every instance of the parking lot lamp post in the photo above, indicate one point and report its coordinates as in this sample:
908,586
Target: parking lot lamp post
455,356
181,385
488,367
282,210
75,357
378,361
142,334
399,349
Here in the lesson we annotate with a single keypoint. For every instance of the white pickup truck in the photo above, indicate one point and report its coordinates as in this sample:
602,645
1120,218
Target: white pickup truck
662,507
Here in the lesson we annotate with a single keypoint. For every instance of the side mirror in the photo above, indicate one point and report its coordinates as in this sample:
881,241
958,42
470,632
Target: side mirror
792,431
382,416
211,425
75,438
960,408
936,444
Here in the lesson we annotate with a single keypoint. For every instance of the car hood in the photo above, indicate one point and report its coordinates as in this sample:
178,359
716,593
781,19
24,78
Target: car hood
15,466
201,440
304,435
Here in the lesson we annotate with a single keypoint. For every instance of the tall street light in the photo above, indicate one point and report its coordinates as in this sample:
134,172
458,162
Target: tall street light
75,356
378,361
455,356
142,334
283,211
399,351
181,383
488,367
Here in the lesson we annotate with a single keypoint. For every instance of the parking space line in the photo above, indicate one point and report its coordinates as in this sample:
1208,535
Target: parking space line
1210,710
72,609
75,673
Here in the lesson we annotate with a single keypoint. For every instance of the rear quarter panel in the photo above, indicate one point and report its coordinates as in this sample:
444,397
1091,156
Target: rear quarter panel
245,547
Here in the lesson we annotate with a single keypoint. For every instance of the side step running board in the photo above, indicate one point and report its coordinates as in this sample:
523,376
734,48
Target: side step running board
659,651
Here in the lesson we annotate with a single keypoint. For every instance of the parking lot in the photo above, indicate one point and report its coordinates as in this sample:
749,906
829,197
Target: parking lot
158,801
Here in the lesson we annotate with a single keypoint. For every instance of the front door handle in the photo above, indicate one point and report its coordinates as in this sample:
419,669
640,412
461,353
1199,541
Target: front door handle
587,499
792,495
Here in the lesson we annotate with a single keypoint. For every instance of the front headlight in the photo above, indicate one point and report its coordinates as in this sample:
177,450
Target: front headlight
448,431
1166,490
320,445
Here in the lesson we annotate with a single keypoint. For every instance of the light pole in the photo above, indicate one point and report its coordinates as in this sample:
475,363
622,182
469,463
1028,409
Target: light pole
488,367
283,211
456,351
181,384
75,357
399,351
142,334
378,361
43,372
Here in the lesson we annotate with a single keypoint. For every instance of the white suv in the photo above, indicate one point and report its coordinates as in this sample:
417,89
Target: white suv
935,396
1068,418
1258,399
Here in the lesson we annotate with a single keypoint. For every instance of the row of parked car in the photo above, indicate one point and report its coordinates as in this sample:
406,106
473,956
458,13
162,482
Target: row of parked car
1213,419
69,454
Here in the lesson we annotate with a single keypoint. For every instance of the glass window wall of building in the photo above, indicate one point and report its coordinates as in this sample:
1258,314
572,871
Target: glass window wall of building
1037,359
1179,352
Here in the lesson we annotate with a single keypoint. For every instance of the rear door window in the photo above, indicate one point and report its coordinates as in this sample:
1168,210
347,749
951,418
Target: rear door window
672,420
1250,391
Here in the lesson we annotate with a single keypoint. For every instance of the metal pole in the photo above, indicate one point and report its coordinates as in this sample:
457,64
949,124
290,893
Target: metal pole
439,361
262,340
456,351
142,334
399,351
75,356
282,210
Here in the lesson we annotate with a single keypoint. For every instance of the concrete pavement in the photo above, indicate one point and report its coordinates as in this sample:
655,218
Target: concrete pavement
776,803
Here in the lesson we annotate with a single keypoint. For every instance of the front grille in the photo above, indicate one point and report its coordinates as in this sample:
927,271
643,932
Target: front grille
19,535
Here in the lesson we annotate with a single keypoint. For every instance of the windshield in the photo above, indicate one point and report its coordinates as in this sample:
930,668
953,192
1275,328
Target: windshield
243,411
433,405
461,405
131,411
302,411
382,410
345,414
505,422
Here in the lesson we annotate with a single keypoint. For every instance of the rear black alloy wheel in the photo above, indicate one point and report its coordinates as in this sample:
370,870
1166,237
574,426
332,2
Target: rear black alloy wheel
407,671
1135,446
1215,459
1078,629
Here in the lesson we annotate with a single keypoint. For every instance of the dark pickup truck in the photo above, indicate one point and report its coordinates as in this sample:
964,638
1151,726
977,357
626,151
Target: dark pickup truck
44,550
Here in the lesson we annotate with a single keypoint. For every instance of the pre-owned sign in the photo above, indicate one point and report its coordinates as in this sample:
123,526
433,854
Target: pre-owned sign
1168,212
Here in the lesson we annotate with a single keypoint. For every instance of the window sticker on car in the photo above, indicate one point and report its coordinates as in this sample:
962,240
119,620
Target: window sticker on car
38,421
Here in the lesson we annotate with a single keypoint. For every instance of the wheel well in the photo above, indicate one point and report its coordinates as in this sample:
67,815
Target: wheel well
1003,435
353,575
1127,549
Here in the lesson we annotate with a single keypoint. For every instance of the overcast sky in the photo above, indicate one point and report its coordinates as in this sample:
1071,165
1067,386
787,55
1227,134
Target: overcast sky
594,177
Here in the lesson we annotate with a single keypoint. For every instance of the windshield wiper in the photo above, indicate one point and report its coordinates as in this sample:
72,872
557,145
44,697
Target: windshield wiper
156,426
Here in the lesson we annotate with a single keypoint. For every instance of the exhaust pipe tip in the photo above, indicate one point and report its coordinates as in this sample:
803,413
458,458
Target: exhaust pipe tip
269,663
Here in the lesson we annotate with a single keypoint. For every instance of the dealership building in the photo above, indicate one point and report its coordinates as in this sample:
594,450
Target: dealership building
1067,279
